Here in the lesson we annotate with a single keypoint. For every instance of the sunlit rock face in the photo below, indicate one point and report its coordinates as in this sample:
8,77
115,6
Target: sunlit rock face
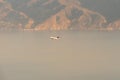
114,26
49,15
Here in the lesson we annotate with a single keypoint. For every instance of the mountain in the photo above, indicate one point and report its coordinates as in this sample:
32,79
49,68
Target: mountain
73,16
50,15
114,25
108,8
11,19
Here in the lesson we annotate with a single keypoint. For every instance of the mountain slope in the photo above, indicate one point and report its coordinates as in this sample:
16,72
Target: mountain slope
73,16
50,15
108,8
11,19
114,25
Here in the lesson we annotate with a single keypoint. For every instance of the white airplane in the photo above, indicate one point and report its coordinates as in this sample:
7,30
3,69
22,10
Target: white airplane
54,38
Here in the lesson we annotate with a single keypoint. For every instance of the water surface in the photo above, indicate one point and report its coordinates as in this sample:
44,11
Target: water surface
76,56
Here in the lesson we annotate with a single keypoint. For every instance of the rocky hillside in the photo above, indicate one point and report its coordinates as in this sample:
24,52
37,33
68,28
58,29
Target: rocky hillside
114,25
11,19
73,16
50,15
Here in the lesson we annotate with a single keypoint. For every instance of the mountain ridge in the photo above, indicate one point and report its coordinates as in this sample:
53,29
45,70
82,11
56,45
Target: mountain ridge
51,15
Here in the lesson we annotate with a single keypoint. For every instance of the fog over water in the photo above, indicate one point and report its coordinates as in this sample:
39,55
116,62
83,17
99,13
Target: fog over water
85,55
